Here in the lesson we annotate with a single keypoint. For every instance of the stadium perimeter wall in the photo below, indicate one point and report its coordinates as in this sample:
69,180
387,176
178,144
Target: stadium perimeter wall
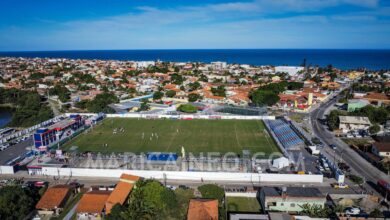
7,170
151,116
183,175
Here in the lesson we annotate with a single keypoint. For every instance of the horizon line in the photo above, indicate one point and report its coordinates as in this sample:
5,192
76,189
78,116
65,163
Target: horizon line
166,49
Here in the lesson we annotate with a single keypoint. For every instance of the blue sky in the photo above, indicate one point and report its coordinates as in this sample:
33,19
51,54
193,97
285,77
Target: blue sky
180,24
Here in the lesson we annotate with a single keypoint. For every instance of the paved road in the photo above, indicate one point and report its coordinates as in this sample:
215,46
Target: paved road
15,150
69,215
358,164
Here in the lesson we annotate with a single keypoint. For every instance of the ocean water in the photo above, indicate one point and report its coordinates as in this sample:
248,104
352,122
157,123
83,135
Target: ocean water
343,59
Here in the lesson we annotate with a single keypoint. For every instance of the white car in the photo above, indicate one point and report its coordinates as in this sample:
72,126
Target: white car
352,211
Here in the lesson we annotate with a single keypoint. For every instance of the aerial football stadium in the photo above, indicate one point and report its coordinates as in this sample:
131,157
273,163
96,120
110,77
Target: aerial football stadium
173,135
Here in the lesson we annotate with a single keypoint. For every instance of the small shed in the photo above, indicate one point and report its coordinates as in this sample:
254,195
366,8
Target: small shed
281,162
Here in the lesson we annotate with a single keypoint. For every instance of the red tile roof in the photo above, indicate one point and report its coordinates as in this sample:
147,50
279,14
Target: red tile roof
53,198
382,146
93,202
203,209
121,191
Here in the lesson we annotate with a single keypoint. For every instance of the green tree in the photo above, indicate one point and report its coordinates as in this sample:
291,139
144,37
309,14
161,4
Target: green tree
183,197
187,108
177,79
194,86
151,200
193,97
101,102
170,93
81,104
144,106
203,78
157,95
139,208
374,129
212,191
315,211
264,97
16,202
356,179
61,91
295,85
333,118
37,75
219,91
117,213
30,109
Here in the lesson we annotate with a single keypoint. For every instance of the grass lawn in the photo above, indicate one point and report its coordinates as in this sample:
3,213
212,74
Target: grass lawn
243,204
142,135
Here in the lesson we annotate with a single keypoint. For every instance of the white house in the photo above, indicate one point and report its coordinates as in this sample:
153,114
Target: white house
353,123
290,70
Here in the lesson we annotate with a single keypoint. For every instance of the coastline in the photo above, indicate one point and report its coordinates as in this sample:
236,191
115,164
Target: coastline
373,59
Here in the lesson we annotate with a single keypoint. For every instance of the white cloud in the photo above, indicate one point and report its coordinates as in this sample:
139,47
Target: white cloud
215,26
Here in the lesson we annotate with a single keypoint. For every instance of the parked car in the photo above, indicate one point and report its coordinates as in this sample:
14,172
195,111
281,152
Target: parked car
352,211
340,186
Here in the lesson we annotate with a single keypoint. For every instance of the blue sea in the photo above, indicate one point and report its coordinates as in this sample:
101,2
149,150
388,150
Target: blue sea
343,59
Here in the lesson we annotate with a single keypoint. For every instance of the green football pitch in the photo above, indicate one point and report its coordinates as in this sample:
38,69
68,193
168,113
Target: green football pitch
166,135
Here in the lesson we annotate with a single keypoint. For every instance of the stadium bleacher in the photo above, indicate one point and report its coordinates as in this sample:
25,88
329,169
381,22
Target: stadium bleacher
285,134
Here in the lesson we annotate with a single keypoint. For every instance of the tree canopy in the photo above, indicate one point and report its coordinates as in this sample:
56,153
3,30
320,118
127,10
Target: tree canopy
16,202
212,191
157,95
264,97
101,102
187,108
170,93
151,200
193,97
61,91
30,109
219,91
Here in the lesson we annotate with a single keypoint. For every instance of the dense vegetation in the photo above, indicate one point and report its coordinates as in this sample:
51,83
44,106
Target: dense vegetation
219,91
212,191
268,95
17,202
101,102
29,108
377,115
61,91
170,93
151,200
193,97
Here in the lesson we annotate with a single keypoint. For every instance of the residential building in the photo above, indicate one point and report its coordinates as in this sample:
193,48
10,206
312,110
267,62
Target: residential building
290,70
203,209
121,192
353,123
91,205
53,200
290,199
381,149
377,98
